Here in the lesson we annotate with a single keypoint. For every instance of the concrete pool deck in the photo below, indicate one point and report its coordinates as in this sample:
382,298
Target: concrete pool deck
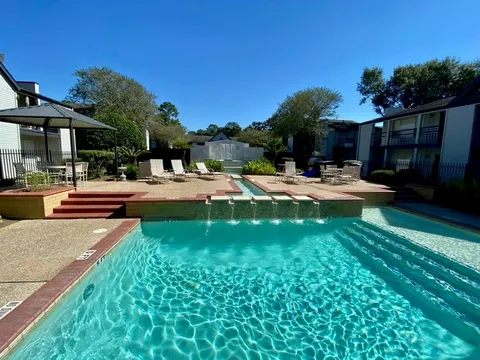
34,251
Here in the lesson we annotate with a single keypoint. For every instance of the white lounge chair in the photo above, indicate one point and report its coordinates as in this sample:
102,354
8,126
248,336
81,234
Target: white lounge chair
203,170
180,173
157,171
291,172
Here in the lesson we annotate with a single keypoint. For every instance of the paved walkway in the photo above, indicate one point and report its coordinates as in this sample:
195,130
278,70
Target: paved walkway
442,213
34,251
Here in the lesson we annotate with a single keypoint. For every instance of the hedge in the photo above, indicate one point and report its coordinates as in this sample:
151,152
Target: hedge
98,161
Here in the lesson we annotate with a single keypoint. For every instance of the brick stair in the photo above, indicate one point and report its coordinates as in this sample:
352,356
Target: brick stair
90,205
406,195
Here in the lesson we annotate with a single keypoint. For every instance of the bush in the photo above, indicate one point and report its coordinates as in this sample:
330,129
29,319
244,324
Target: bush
132,172
461,195
98,160
259,167
212,165
38,182
65,161
386,177
128,134
406,176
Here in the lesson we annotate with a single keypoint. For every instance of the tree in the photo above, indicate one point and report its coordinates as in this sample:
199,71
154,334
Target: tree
254,137
259,125
113,93
128,134
231,129
167,114
182,144
165,135
274,146
416,84
2,58
304,112
130,155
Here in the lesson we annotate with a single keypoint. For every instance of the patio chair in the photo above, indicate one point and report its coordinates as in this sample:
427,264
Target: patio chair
21,173
145,170
291,172
203,171
69,172
350,174
157,171
180,173
280,173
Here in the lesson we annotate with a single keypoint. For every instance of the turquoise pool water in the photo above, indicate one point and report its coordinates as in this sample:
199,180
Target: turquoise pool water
342,289
248,188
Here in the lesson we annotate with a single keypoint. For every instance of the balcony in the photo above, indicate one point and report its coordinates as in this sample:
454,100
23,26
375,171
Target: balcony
378,139
345,142
430,135
402,137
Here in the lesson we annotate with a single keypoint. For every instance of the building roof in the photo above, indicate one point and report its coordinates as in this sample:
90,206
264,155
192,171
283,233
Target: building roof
50,115
198,138
471,95
20,90
343,124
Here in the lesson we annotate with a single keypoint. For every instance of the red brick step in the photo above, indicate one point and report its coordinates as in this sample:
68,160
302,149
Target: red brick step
81,215
92,201
94,194
87,208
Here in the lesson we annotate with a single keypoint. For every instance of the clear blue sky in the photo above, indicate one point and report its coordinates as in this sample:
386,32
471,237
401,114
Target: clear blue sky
232,60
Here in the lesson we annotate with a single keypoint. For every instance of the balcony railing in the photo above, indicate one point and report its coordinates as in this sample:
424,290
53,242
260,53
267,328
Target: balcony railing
345,142
378,139
402,137
429,135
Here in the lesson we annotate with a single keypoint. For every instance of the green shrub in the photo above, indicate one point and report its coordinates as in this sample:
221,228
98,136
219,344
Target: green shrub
132,172
212,165
66,160
386,177
38,181
461,195
98,160
259,167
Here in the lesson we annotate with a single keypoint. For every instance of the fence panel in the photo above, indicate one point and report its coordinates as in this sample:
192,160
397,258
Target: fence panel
29,159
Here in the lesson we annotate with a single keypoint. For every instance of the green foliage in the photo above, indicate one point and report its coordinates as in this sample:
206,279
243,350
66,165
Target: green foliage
253,137
166,134
132,172
303,112
461,195
67,160
259,125
211,130
274,147
129,155
212,165
416,84
128,134
182,144
167,114
259,167
38,181
386,177
98,161
231,129
113,93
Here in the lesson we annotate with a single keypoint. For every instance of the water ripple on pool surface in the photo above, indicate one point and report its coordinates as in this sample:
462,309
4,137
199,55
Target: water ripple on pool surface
269,291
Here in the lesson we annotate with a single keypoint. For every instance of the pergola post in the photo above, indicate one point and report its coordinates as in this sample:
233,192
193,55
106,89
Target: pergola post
72,150
116,154
45,126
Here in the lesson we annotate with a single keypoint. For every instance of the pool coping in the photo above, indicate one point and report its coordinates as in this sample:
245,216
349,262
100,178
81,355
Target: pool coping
20,321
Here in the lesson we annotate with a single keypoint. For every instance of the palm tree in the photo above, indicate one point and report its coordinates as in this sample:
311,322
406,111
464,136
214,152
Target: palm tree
130,154
274,146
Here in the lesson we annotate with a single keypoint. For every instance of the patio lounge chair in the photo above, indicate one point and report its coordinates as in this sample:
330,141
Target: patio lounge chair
291,172
349,174
157,172
180,173
21,173
203,171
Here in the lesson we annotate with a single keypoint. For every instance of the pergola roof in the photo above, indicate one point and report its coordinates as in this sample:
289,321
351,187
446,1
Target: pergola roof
52,116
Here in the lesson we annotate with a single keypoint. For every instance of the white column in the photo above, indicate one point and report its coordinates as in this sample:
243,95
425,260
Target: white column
418,125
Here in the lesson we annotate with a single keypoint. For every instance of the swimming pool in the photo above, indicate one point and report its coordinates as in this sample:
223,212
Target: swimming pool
342,289
248,188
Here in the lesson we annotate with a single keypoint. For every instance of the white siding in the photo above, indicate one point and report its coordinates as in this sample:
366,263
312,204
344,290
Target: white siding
457,135
9,133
